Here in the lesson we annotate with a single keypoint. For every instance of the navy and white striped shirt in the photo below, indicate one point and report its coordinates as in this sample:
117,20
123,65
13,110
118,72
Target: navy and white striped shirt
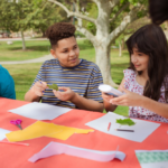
83,79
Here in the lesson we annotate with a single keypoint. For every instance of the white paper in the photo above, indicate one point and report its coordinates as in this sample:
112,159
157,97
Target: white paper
2,133
40,111
152,158
109,89
142,129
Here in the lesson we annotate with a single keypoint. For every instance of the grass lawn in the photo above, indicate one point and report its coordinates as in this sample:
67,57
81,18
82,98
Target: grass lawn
14,52
24,74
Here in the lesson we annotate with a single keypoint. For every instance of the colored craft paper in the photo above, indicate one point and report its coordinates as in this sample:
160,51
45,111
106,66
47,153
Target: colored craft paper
39,129
55,148
40,111
152,158
142,129
2,133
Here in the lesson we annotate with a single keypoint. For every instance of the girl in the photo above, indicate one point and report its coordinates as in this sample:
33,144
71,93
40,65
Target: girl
158,10
146,81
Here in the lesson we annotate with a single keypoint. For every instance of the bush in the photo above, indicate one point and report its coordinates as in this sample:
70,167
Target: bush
78,34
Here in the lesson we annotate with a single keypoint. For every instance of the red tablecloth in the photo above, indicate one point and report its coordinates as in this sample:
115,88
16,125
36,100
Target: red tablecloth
14,156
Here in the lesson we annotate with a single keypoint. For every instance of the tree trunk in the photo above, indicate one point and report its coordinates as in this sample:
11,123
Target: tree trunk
123,44
120,50
44,33
23,41
103,61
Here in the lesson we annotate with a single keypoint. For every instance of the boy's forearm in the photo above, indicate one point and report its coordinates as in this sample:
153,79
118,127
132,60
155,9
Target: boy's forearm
31,97
109,107
87,104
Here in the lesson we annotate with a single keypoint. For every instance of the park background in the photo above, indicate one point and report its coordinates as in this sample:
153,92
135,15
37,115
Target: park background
99,22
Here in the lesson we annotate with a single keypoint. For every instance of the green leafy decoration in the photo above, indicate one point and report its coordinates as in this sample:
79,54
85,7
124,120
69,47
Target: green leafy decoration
53,86
127,121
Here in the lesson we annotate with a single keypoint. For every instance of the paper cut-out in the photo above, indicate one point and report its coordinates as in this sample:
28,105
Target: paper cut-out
39,129
141,130
55,148
152,158
40,111
2,133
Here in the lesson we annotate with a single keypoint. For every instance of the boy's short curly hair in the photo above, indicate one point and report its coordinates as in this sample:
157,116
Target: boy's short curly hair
60,31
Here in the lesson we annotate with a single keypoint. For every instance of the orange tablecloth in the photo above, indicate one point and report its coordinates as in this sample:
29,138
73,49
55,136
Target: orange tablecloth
14,156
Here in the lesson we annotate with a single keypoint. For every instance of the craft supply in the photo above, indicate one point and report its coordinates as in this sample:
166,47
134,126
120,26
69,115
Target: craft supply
40,111
152,158
40,129
126,121
109,90
109,125
17,123
124,130
2,133
140,132
55,148
53,86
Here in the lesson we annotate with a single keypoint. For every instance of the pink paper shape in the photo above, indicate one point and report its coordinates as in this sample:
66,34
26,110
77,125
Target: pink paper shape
55,148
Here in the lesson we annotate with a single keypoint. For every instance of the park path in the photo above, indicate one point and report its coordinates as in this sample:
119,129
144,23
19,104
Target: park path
35,60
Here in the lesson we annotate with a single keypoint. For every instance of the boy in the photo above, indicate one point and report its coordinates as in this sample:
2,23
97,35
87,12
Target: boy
77,79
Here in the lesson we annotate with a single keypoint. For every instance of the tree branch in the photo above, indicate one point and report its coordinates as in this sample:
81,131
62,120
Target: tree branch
113,3
71,13
87,33
126,21
119,12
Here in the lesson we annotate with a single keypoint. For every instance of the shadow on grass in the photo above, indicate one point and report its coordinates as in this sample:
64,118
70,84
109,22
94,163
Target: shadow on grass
31,48
45,48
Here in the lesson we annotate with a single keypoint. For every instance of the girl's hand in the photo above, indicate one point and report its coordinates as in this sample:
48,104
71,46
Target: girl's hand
106,97
128,99
67,95
39,88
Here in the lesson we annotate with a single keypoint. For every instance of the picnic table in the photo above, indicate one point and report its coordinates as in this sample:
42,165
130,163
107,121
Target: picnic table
14,156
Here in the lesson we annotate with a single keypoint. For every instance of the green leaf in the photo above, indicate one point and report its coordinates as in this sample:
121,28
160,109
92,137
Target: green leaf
53,86
127,121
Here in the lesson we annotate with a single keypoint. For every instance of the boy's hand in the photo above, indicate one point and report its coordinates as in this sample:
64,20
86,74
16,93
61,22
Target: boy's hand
67,95
39,88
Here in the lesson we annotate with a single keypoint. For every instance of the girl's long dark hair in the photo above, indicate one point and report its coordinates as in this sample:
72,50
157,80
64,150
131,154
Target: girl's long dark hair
158,10
151,41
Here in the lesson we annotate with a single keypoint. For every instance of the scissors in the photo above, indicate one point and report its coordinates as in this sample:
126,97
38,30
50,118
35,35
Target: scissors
17,123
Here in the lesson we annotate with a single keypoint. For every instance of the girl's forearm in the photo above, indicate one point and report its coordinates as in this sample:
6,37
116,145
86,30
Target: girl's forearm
154,106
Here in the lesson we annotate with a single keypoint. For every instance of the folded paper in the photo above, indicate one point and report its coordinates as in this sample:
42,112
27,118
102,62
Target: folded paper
39,129
55,148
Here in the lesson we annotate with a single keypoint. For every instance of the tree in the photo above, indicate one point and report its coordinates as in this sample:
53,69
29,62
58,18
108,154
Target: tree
113,17
13,16
21,15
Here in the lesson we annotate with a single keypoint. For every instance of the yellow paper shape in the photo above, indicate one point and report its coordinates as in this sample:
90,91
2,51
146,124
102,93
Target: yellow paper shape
36,130
67,132
39,129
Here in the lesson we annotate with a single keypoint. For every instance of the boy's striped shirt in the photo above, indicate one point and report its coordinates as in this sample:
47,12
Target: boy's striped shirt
83,79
